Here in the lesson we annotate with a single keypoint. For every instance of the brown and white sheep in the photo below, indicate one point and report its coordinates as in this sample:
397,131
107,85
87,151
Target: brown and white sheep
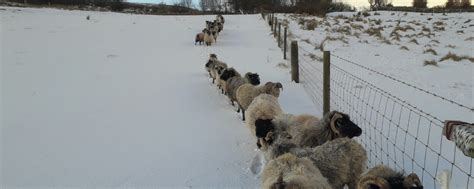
383,177
291,172
247,92
234,82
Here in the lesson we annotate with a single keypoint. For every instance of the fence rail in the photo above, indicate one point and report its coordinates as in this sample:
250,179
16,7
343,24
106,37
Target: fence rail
396,133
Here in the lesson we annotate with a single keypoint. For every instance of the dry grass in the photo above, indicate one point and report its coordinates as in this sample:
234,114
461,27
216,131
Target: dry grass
314,57
439,28
429,19
451,46
460,31
376,14
344,30
329,38
438,23
282,65
456,58
357,26
306,41
396,38
403,29
426,29
365,14
430,50
469,39
467,21
404,48
374,32
430,63
413,41
434,41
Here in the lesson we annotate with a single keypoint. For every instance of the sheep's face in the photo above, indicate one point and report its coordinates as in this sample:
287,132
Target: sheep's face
209,64
254,78
273,88
263,131
342,126
397,181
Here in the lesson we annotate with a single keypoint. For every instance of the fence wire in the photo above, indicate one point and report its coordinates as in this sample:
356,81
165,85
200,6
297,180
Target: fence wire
395,132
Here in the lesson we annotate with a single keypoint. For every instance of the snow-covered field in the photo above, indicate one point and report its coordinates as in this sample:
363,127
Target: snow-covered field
124,100
413,39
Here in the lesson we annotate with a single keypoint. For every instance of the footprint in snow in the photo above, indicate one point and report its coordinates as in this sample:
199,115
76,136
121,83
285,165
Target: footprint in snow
112,56
257,164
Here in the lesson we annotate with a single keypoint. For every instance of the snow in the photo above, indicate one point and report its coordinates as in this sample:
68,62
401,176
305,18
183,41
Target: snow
450,79
124,100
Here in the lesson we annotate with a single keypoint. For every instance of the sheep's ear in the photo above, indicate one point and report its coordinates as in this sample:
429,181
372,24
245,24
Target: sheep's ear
263,127
332,123
412,181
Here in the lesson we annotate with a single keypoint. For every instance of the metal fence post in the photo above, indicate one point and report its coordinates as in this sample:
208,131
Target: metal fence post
295,72
326,81
284,44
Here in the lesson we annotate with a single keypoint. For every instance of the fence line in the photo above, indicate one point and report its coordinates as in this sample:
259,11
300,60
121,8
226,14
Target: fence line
395,132
404,82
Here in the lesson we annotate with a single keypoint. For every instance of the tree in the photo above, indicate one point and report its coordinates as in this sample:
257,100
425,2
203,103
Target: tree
419,3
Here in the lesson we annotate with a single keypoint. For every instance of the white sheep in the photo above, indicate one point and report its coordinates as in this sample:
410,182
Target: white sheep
383,177
264,107
289,171
210,63
247,92
342,161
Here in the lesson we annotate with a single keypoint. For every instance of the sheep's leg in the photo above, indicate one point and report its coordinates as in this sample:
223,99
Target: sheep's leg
243,114
222,90
213,80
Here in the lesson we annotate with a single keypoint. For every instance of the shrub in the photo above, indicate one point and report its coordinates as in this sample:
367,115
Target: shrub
413,41
456,58
430,63
430,50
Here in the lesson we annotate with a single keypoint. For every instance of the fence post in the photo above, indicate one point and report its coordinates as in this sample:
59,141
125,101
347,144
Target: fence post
270,19
326,81
284,44
279,34
275,23
295,72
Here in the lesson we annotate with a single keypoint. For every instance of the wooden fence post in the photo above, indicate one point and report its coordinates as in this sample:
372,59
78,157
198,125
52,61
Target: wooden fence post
295,72
284,44
275,23
326,81
279,34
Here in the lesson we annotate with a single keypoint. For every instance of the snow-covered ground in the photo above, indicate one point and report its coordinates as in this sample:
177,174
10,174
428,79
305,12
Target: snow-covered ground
124,100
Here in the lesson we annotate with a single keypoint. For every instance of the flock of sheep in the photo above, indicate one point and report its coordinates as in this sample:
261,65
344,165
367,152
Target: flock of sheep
209,34
302,151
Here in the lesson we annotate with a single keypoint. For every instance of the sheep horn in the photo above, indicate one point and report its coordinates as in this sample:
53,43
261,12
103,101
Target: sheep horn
411,181
377,181
279,184
332,123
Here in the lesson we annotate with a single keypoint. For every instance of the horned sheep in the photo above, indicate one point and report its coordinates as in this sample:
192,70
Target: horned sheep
289,171
342,161
383,177
247,92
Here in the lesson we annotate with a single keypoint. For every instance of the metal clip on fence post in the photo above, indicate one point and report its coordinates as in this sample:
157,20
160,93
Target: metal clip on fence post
326,81
295,73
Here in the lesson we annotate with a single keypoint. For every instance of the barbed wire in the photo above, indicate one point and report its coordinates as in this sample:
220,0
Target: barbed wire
405,83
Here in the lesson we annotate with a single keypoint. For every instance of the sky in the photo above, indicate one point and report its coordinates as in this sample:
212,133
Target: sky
357,3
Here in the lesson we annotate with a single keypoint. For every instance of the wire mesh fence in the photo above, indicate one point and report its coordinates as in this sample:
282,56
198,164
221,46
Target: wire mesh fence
396,133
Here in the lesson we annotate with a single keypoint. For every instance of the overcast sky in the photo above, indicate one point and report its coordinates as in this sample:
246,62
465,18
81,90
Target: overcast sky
357,3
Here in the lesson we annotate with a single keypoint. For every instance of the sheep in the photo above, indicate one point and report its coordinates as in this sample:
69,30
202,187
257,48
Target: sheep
342,161
383,177
208,37
247,92
199,38
216,69
232,83
228,72
304,130
289,171
312,132
220,18
210,63
263,106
